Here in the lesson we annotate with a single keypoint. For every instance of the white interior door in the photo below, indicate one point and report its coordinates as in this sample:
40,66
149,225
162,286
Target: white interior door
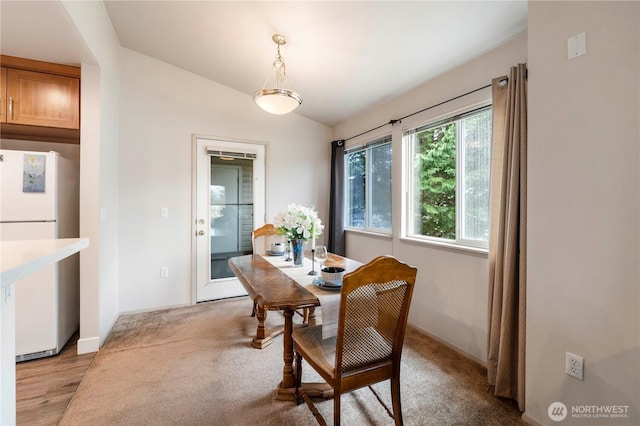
229,204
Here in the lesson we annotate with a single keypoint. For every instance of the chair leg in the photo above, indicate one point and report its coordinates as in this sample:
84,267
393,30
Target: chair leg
298,377
314,410
336,408
304,314
311,316
301,395
395,401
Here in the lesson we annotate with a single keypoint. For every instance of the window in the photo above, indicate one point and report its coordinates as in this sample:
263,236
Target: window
368,186
449,179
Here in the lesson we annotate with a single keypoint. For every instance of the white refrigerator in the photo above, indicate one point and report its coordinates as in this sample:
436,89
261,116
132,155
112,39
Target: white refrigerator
38,201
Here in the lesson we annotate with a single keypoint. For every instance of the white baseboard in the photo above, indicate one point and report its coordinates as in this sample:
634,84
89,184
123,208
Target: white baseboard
156,308
86,346
529,420
482,362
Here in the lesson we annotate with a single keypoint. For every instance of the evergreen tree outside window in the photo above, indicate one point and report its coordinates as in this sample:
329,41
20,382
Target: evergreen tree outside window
450,167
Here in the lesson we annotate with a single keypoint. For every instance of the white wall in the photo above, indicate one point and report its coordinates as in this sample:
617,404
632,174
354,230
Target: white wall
161,108
451,296
98,173
583,212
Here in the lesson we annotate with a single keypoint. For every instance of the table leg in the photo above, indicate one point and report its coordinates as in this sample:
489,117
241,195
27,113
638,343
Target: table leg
261,315
264,337
287,389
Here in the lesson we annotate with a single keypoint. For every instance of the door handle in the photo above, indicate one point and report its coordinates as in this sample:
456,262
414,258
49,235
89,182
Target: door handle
200,233
11,107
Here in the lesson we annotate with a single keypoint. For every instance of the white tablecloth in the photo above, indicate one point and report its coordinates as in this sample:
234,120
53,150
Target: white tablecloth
329,300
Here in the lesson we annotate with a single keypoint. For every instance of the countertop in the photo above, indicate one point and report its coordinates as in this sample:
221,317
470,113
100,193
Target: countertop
21,258
17,260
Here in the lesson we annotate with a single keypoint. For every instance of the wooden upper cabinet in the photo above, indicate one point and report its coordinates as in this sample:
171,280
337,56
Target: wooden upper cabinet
41,99
3,95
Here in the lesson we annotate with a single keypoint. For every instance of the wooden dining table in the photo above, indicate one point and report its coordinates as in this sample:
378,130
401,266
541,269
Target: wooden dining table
274,287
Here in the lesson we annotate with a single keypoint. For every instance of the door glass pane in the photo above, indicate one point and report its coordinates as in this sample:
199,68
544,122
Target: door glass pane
230,212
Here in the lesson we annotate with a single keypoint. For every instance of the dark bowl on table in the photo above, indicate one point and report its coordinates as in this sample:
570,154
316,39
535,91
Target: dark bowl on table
332,275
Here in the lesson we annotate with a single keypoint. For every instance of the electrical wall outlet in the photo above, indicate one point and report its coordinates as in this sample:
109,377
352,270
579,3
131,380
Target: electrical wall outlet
574,366
164,272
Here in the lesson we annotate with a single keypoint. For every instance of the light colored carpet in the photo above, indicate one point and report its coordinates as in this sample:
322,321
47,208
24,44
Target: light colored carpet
195,366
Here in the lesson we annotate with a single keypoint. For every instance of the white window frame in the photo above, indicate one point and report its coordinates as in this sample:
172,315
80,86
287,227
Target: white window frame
408,139
374,143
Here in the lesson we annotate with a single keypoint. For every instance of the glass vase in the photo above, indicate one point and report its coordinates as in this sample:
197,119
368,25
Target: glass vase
297,247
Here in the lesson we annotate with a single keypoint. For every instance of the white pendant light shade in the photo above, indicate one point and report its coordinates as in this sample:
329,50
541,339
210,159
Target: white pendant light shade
278,100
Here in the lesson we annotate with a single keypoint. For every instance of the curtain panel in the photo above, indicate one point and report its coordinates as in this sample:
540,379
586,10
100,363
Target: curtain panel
336,240
508,239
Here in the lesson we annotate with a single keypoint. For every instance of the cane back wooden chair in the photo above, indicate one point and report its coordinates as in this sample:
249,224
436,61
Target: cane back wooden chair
374,306
261,240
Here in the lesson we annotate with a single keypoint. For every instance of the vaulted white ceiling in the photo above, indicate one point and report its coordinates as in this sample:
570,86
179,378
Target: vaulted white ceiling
343,57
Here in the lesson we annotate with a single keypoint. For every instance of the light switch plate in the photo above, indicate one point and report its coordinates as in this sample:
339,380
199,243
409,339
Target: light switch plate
577,45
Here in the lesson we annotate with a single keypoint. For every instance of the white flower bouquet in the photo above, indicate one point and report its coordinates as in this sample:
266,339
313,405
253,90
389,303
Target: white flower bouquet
299,222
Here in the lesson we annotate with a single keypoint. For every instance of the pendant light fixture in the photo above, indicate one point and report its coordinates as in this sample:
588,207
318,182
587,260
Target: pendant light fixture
278,100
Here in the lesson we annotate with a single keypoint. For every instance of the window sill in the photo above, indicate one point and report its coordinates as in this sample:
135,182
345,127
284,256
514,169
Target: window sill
379,235
449,246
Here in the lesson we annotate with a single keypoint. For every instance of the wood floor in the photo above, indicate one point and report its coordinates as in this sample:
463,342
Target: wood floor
44,387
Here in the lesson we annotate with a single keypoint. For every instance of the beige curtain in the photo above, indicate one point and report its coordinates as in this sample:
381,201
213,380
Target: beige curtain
508,240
